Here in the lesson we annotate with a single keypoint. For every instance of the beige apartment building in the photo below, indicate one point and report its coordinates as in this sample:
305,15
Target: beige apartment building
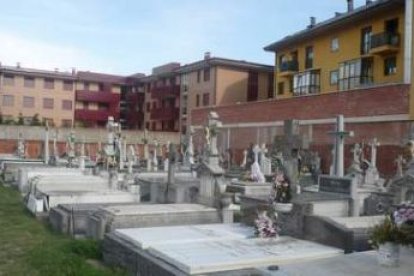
217,81
49,94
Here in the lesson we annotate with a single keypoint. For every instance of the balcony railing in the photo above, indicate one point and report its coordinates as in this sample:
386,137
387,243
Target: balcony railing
97,96
94,115
384,39
289,66
163,92
168,113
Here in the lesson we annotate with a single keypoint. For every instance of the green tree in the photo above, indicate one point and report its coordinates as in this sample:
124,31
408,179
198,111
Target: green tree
35,120
20,120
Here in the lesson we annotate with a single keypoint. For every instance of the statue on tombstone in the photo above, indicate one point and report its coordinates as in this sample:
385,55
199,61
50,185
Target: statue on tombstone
356,160
190,147
244,162
409,157
265,163
155,156
250,156
400,163
315,166
21,146
256,173
212,131
70,147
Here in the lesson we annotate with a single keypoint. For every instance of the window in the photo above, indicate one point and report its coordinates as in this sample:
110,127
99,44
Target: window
309,57
8,100
207,74
68,85
66,123
206,99
306,83
103,106
154,126
154,105
28,102
280,88
252,86
390,66
86,86
49,84
85,105
67,105
198,76
334,77
197,100
49,121
270,83
8,79
334,44
47,103
366,34
147,125
29,82
354,73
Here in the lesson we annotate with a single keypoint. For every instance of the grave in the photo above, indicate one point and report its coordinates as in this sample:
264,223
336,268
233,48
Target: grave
195,250
25,175
50,191
107,219
10,168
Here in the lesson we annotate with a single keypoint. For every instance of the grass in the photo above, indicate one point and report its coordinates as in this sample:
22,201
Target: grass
29,247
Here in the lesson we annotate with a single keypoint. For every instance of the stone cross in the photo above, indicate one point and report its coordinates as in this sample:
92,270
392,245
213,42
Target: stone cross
190,149
340,135
172,159
154,157
46,153
374,145
244,162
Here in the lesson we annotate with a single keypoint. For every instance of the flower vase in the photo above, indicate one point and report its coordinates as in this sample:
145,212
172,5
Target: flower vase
389,254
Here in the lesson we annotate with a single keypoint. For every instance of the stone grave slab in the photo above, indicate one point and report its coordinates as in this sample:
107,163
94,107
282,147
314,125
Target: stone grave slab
108,219
27,173
227,255
146,237
249,188
10,168
364,263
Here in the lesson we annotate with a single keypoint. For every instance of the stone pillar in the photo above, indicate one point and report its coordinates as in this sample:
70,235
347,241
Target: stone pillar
46,153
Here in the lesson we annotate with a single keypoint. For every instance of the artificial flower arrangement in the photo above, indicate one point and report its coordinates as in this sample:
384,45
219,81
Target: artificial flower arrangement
266,226
397,228
281,189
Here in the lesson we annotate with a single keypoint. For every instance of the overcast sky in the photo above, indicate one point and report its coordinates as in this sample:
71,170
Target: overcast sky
131,36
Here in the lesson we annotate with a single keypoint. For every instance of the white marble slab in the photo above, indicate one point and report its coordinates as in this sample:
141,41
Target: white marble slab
358,222
226,255
147,237
125,210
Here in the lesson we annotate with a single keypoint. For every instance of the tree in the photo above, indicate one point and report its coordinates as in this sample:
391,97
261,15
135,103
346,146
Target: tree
20,120
35,120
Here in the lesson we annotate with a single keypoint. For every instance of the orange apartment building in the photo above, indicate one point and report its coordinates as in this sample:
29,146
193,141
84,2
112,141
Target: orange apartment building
49,94
216,81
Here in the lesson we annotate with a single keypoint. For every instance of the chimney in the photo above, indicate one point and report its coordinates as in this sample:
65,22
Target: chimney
338,14
73,71
312,21
18,64
56,70
368,2
207,55
350,5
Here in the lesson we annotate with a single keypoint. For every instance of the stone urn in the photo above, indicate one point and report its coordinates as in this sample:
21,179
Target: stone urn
283,207
389,254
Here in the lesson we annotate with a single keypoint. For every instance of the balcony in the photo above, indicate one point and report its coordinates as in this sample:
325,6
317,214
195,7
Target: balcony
288,68
94,115
169,113
97,96
384,43
172,91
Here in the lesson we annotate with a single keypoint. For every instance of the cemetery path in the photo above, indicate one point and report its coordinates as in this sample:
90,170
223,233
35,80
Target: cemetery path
28,247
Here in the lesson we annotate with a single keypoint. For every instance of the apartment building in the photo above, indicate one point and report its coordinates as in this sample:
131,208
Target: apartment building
216,81
29,93
132,103
360,48
97,97
162,98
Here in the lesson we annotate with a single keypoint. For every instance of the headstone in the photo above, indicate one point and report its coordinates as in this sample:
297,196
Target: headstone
256,173
244,162
70,148
21,147
155,156
265,163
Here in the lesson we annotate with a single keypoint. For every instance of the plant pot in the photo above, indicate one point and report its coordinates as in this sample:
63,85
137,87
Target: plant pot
389,254
283,207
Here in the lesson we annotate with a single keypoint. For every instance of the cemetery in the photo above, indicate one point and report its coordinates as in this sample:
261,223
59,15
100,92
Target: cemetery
276,212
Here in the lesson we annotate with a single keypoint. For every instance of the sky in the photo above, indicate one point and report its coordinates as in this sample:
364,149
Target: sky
132,36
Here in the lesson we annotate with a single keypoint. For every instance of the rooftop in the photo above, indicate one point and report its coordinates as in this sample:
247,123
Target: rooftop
99,77
339,20
37,72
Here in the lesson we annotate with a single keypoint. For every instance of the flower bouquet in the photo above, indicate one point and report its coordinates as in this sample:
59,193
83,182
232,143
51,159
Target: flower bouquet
281,195
266,226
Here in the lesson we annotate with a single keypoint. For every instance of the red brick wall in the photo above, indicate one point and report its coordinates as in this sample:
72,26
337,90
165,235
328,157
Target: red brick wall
383,100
